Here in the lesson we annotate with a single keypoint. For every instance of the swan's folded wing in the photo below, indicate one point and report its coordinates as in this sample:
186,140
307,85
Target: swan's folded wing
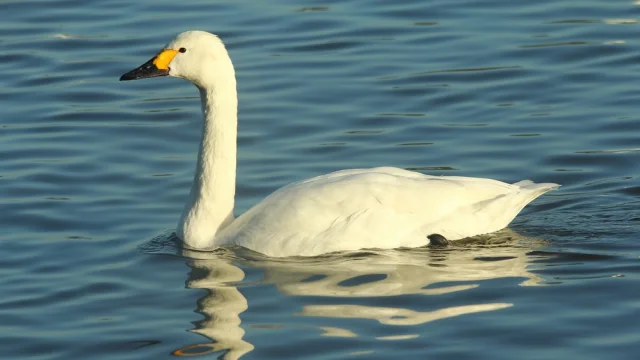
380,207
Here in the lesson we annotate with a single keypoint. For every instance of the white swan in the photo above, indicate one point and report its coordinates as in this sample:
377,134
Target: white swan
346,210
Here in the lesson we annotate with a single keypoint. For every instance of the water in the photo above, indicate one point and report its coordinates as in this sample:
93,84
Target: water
94,174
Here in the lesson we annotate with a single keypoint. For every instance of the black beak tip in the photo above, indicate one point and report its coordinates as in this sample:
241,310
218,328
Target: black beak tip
126,77
144,71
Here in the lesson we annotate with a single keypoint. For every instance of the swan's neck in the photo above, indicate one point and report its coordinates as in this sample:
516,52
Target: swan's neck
210,205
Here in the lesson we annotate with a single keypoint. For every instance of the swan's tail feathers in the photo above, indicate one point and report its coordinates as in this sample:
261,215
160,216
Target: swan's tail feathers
535,189
528,191
501,213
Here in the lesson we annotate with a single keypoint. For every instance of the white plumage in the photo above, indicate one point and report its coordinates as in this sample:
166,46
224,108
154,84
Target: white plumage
376,208
346,210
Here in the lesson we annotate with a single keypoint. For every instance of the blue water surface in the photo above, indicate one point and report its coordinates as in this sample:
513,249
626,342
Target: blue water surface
94,174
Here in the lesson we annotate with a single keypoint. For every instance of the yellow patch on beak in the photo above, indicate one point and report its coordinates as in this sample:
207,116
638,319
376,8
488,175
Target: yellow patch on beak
164,58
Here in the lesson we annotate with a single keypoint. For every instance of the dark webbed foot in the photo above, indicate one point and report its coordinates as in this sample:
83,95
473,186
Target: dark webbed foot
437,240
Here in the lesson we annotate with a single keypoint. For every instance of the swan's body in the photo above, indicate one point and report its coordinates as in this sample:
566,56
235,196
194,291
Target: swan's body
345,210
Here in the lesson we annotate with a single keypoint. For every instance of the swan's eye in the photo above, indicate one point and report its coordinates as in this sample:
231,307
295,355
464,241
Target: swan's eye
182,50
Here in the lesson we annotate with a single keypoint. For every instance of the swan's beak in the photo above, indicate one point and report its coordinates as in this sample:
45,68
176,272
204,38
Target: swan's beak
157,66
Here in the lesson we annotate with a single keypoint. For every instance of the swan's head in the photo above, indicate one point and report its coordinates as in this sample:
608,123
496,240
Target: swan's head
197,56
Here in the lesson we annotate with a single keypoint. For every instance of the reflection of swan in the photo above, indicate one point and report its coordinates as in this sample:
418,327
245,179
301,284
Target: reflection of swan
346,210
342,278
393,273
395,316
221,306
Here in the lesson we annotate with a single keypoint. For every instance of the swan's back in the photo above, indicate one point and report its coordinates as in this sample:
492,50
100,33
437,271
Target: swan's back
376,208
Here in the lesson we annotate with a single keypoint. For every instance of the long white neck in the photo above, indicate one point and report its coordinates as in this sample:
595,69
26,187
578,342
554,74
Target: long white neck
210,205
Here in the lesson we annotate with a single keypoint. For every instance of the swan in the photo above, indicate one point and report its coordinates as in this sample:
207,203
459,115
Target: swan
383,207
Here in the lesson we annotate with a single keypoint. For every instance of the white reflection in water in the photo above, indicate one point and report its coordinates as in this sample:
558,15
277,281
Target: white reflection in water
221,307
396,316
358,274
